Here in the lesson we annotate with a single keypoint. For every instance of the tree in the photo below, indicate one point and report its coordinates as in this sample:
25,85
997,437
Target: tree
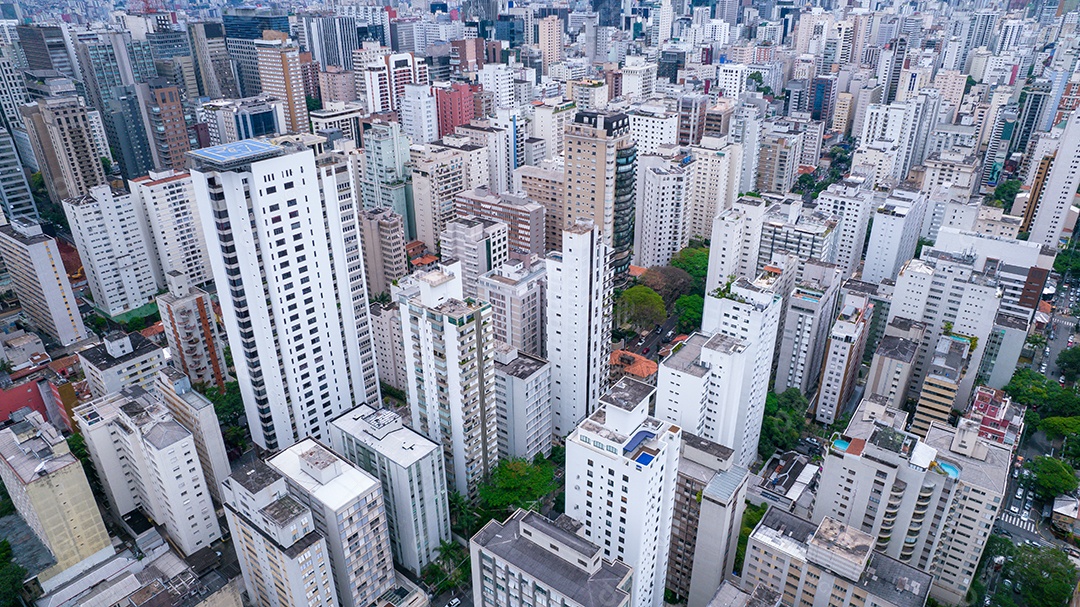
641,307
1036,340
689,309
313,104
11,577
670,282
449,570
517,483
783,422
1060,427
694,262
752,515
1046,576
106,165
1005,194
805,183
1069,362
1052,477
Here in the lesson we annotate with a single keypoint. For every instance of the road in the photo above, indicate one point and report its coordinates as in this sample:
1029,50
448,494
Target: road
654,340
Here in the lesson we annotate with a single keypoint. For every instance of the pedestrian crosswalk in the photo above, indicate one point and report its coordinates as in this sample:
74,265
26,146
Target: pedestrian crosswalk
1016,521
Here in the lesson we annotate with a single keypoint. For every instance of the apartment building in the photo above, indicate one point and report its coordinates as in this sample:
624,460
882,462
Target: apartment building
517,292
121,361
167,200
196,347
196,413
479,244
523,402
382,234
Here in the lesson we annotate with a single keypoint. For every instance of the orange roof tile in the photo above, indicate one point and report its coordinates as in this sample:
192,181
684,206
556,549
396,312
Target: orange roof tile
634,364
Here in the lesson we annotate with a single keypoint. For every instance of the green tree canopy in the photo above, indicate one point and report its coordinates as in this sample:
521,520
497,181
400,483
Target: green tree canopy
1033,389
1046,576
641,307
689,309
783,423
1052,477
517,483
1069,361
694,262
11,577
1060,427
669,282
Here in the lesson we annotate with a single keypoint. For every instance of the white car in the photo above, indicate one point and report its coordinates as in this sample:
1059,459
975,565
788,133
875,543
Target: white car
453,603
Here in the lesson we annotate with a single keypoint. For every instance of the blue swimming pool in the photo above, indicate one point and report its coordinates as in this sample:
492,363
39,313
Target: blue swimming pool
841,444
644,459
949,469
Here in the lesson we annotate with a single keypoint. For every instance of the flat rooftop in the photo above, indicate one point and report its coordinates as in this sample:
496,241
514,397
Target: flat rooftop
383,432
989,472
523,366
338,492
897,348
686,358
840,539
254,475
627,394
99,356
228,155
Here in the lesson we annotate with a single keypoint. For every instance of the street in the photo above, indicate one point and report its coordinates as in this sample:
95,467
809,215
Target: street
654,340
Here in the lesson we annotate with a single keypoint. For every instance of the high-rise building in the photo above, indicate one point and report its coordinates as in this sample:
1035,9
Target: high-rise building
195,344
843,357
386,150
620,449
166,200
68,143
331,39
692,107
410,468
897,224
385,80
545,186
382,234
127,132
113,59
438,175
479,244
196,413
1057,195
117,252
894,361
419,113
525,219
517,292
308,299
551,40
16,201
452,393
579,309
346,504
49,489
169,120
147,460
546,561
390,356
231,120
40,281
523,399
851,200
121,361
714,186
279,75
455,106
283,558
600,175
213,68
663,200
243,26
866,480
807,314
937,399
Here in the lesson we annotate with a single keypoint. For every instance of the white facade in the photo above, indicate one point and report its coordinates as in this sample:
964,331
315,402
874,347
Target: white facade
808,311
390,355
549,123
347,505
146,459
291,283
451,374
653,127
843,357
851,201
410,468
196,413
663,193
1060,190
116,249
121,361
499,79
384,80
517,292
419,115
479,244
523,398
736,241
167,201
40,281
620,449
578,325
715,184
897,223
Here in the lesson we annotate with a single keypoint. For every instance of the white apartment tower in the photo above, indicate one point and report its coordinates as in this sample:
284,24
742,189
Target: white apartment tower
283,558
523,398
1060,190
419,114
116,249
578,325
808,311
121,361
347,506
390,356
736,241
852,201
715,184
283,235
148,460
480,244
196,413
410,468
663,193
621,469
451,373
39,279
167,201
517,292
897,223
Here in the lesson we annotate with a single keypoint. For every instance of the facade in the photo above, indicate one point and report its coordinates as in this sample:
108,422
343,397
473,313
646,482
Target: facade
1057,195
523,400
116,249
479,244
419,113
524,218
382,234
843,357
385,80
714,186
167,200
897,224
195,344
49,490
410,468
542,560
937,399
383,181
168,120
40,281
517,292
147,460
306,210
438,175
196,413
347,506
280,76
663,192
390,355
121,361
452,394
454,104
15,197
894,361
579,309
545,186
653,127
231,120
283,558
620,448
1000,419
808,311
68,142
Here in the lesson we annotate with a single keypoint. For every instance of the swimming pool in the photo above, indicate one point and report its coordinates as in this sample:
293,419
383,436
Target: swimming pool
841,444
644,459
949,469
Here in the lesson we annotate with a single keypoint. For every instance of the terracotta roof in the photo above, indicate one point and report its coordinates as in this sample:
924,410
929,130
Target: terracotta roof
154,329
633,364
636,271
1045,306
423,261
66,362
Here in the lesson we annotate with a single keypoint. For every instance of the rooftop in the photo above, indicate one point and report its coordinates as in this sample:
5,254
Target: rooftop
784,532
522,366
899,583
687,358
99,357
230,155
627,394
989,472
383,431
897,348
840,539
338,492
163,434
283,510
254,475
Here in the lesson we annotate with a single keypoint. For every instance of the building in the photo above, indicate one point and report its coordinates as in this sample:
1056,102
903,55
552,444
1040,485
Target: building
382,234
305,219
280,76
525,219
44,48
843,357
385,80
937,399
49,490
663,196
653,127
897,224
808,311
479,244
620,448
805,234
168,121
167,200
40,281
410,468
852,201
384,180
961,478
710,496
419,113
231,120
602,192
147,460
213,68
438,175
453,403
70,169
542,560
196,413
115,246
545,186
191,329
805,563
346,504
517,292
15,197
390,355
523,401
551,40
550,119
578,324
283,558
121,361
1000,419
714,186
778,160
344,116
894,361
1057,195
454,104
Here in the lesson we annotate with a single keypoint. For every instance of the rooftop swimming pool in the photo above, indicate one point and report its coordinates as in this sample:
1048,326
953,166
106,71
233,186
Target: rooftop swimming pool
644,459
841,444
949,469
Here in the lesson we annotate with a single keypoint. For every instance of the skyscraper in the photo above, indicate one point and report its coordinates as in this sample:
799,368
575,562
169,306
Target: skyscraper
419,114
280,76
1057,194
286,305
15,197
68,143
195,345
